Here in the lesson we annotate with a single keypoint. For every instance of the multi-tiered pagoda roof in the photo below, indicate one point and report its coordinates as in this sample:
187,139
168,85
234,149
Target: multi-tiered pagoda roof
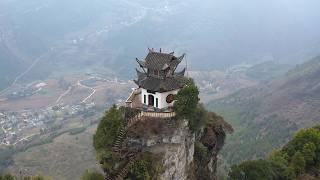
158,72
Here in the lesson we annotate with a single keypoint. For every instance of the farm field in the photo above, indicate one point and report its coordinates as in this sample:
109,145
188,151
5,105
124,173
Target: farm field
66,158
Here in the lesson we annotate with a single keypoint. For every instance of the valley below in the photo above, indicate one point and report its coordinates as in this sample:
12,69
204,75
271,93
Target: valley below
36,114
59,115
51,118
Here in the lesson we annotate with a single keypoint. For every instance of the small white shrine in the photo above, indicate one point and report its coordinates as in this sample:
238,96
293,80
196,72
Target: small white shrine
157,81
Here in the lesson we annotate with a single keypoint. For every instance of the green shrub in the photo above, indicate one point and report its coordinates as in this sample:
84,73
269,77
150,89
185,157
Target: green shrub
187,106
92,175
187,100
147,167
258,169
104,137
11,177
108,128
298,163
298,156
201,152
7,177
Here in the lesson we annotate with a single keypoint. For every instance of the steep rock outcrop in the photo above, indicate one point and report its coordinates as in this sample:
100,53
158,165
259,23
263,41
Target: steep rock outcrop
175,143
169,139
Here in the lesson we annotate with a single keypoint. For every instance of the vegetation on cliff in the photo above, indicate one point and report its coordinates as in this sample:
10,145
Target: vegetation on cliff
108,128
187,106
11,177
298,159
209,129
92,175
147,167
112,162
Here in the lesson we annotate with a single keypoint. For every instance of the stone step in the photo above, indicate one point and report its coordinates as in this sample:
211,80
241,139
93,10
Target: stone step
108,178
125,170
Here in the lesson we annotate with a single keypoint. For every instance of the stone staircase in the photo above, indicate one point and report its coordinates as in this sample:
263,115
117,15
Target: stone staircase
124,171
108,178
117,145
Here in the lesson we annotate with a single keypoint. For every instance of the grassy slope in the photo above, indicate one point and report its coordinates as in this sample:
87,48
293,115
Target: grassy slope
250,140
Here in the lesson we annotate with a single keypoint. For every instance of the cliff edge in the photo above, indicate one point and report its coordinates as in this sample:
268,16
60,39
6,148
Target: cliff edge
180,144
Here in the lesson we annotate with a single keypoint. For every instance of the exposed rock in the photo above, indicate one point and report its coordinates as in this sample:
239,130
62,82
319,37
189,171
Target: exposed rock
176,145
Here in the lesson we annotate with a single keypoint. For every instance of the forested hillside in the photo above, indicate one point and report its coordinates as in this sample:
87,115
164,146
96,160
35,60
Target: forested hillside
298,159
265,116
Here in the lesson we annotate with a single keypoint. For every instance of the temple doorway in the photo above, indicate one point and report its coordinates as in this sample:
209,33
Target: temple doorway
150,100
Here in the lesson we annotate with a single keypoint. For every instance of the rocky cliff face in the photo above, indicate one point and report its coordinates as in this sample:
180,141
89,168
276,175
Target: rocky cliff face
172,140
211,141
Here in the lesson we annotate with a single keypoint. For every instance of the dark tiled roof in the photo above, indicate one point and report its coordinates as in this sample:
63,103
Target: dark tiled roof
141,75
167,80
159,61
161,85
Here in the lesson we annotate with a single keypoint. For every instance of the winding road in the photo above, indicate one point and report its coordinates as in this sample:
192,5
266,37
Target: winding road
87,87
64,94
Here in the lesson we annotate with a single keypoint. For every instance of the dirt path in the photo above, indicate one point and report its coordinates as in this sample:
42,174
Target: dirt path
64,94
22,139
87,87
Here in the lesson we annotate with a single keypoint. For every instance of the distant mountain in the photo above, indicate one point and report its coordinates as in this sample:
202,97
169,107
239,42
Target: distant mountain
265,116
10,66
105,36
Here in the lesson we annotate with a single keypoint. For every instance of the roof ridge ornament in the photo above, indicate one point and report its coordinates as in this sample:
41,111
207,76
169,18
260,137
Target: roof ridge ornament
151,50
141,64
181,57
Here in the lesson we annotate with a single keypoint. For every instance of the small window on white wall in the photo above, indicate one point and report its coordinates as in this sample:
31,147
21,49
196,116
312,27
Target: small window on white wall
157,103
144,99
169,98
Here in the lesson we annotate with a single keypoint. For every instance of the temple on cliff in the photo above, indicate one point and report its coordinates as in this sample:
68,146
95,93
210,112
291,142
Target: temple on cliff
157,82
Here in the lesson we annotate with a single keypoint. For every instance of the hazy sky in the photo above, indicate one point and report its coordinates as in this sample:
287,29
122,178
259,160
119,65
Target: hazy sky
216,33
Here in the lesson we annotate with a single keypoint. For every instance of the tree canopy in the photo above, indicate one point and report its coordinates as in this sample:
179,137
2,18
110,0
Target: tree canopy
106,132
108,128
187,100
299,156
92,175
186,105
12,177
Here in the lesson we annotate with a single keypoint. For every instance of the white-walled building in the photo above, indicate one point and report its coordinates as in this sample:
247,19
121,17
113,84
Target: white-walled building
157,81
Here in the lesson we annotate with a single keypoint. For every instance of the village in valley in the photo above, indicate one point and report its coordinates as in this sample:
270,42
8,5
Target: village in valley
37,117
34,110
39,109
